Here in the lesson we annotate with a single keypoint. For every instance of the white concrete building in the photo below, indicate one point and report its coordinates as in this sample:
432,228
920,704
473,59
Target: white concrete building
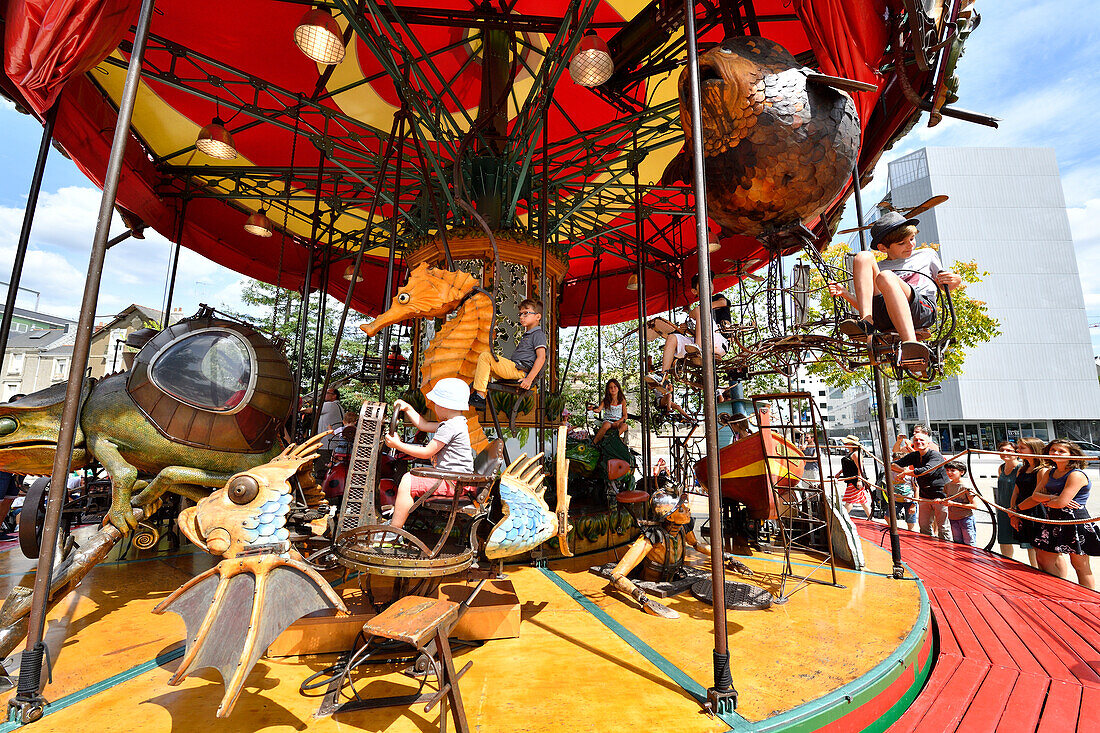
1007,212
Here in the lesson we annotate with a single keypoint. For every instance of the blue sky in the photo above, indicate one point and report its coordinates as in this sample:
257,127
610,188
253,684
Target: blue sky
1036,65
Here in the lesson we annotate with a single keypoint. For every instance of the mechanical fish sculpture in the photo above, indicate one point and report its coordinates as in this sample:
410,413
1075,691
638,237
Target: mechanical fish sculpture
779,140
234,610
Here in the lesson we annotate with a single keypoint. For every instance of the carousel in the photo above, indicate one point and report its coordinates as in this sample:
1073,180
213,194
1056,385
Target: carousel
450,170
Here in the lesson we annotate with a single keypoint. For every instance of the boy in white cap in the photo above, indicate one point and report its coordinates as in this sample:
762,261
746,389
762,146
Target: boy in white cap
449,449
897,294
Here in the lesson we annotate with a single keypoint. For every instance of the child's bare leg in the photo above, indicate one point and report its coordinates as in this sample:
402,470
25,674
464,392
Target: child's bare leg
1031,558
601,432
895,293
866,504
669,354
403,503
1007,550
864,272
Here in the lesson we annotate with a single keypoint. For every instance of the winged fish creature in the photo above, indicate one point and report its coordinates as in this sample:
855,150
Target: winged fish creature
234,610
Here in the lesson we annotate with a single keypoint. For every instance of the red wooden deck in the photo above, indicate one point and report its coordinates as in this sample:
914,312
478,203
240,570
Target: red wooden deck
1018,650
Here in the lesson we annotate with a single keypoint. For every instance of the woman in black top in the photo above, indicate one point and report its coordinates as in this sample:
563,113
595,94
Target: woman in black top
1026,479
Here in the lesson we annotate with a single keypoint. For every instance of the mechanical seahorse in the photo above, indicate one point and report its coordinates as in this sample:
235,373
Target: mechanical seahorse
434,293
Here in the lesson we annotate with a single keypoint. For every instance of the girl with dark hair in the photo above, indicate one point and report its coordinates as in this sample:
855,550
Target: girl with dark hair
1006,482
1064,493
612,409
1027,478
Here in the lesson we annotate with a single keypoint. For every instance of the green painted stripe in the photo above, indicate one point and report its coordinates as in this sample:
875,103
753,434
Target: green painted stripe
812,715
674,673
98,687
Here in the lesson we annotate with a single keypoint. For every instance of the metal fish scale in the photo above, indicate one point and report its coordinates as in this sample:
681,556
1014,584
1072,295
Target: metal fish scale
358,509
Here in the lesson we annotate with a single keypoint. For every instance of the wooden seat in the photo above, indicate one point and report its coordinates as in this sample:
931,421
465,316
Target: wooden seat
631,497
412,619
425,624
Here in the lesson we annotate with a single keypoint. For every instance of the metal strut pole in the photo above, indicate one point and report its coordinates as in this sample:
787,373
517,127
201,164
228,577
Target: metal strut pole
28,703
25,232
643,393
880,398
397,138
723,695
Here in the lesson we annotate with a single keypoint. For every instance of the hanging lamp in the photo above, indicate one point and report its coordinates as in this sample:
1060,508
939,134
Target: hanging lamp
349,271
319,37
632,282
215,141
259,224
592,64
713,245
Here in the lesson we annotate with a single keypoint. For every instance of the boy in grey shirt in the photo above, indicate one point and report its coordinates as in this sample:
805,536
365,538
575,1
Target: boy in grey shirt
898,293
449,449
526,362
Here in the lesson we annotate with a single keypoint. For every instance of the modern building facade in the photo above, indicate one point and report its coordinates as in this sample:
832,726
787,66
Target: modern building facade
1007,212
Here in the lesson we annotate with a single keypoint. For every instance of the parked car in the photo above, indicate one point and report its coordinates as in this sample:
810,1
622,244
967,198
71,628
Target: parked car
1090,449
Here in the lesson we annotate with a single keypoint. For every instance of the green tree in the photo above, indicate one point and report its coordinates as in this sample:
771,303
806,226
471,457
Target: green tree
973,326
277,312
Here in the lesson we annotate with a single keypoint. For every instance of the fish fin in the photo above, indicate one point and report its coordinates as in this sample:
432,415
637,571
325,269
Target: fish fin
234,611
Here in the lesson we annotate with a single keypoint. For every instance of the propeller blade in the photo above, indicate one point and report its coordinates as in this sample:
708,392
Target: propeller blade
921,208
839,82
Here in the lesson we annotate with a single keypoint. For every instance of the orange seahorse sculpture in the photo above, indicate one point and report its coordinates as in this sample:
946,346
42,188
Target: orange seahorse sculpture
432,292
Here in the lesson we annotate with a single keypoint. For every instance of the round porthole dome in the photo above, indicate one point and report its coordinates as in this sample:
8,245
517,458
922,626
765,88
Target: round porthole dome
213,383
212,369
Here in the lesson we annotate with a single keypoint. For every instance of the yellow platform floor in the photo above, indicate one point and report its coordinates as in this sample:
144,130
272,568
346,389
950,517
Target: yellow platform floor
572,668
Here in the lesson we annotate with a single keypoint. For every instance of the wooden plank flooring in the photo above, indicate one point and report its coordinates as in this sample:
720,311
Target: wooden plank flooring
1018,650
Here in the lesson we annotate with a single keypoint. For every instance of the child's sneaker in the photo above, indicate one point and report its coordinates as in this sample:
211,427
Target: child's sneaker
857,328
477,401
915,358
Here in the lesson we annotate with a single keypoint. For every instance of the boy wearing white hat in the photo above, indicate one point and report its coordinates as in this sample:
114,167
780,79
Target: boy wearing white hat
449,449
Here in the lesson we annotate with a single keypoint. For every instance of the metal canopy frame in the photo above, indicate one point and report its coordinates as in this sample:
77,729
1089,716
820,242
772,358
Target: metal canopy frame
586,175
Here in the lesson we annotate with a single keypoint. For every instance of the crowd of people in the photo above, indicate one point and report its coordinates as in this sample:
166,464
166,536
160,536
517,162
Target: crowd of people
1042,485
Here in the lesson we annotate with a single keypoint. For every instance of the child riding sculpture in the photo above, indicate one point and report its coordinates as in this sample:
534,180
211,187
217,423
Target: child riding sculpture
897,294
677,344
527,359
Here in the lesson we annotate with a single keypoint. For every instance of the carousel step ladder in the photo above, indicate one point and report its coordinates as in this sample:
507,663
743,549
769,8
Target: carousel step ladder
358,507
424,624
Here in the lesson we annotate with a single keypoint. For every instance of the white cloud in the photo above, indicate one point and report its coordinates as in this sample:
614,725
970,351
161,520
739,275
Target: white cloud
135,270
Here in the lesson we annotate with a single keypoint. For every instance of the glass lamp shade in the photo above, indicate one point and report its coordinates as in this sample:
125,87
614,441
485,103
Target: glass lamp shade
215,141
319,37
349,271
713,245
592,64
258,224
632,282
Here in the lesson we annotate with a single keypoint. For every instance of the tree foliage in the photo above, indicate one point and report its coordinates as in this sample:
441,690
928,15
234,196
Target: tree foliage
277,312
973,326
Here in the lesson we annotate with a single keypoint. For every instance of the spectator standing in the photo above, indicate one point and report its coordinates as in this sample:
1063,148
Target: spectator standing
1064,490
903,486
851,471
1028,451
1007,536
924,466
961,505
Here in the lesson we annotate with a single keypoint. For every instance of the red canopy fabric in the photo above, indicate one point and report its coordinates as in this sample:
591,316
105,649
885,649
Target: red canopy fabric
48,42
